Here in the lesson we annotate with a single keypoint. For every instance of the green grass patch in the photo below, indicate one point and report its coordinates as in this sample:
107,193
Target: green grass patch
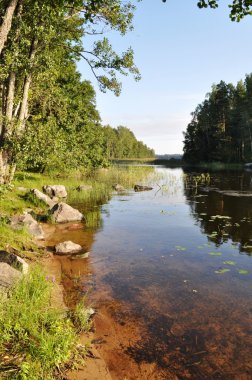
36,340
19,239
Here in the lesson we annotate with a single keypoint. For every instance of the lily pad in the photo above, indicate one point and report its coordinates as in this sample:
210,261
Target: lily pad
215,253
220,217
180,248
243,271
229,262
223,270
213,234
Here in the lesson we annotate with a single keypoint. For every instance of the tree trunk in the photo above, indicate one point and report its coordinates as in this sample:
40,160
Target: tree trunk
10,96
6,24
27,82
3,109
7,168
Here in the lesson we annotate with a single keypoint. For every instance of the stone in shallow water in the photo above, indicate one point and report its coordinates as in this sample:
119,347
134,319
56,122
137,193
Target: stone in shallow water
67,247
142,188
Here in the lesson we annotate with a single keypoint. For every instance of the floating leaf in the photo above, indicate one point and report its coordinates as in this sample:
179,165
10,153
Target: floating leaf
179,248
243,271
229,262
200,246
220,217
215,253
223,270
213,234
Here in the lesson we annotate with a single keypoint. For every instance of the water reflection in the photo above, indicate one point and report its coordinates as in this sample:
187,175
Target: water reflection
223,210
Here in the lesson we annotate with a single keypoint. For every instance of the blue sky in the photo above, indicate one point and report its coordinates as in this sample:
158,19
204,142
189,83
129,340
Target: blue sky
181,51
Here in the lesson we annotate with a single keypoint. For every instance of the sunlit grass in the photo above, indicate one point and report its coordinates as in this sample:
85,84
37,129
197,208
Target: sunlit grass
36,339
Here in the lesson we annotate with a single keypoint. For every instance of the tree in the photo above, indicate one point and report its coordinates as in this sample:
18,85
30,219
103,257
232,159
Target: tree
221,127
35,36
238,8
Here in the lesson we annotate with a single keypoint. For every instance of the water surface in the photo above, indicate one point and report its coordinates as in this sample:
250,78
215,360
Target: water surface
170,273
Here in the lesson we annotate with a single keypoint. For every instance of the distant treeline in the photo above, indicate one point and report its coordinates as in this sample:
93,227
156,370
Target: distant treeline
64,128
221,126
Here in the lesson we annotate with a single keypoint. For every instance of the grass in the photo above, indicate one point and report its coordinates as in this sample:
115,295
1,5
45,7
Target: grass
17,239
37,341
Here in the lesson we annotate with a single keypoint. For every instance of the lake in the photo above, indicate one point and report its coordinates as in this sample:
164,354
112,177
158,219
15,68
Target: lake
170,275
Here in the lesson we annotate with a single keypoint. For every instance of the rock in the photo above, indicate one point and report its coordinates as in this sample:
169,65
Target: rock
67,247
14,261
8,276
84,187
63,213
18,221
55,191
81,256
118,187
142,188
43,197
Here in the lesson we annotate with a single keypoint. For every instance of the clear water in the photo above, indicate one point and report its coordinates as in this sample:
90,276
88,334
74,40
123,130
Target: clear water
173,279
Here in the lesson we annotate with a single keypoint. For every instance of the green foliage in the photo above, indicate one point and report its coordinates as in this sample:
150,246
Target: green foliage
238,8
81,316
48,115
221,127
121,143
35,338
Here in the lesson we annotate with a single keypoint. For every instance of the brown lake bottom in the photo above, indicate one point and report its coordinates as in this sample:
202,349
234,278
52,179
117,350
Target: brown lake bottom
170,275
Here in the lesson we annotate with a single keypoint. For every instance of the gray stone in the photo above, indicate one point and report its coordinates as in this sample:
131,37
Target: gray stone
43,197
35,229
84,187
84,255
142,188
63,213
67,247
8,276
118,187
14,261
55,191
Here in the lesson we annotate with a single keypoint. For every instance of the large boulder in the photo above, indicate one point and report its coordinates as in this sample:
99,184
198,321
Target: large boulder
14,261
63,213
35,229
55,191
43,197
67,247
8,276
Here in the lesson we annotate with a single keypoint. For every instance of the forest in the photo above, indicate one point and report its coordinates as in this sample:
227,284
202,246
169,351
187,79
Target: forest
221,126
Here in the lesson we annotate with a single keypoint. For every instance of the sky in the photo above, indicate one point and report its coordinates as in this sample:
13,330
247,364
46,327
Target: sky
180,51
